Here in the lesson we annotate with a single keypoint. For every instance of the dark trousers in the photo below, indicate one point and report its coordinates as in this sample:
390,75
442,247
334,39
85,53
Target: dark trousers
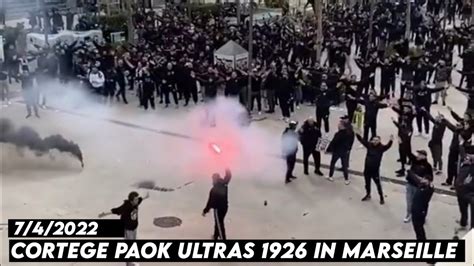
322,115
290,165
344,161
219,228
423,120
369,175
464,202
284,106
166,94
437,154
372,126
351,107
453,157
148,97
404,149
190,93
418,221
271,100
258,97
121,92
307,152
387,86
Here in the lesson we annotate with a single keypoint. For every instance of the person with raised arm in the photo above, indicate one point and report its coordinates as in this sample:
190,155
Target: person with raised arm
218,201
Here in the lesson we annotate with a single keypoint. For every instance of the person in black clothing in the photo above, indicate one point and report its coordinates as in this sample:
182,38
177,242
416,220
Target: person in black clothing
234,85
421,201
465,188
436,142
121,78
289,142
128,212
372,106
387,80
340,147
30,93
270,83
148,91
309,135
461,132
285,97
256,90
420,168
218,201
373,159
422,99
323,104
367,69
405,130
190,84
169,85
109,85
351,94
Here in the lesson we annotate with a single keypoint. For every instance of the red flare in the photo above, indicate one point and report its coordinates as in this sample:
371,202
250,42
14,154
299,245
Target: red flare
215,148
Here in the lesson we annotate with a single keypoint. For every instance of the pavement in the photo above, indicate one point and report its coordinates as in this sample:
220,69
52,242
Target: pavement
124,145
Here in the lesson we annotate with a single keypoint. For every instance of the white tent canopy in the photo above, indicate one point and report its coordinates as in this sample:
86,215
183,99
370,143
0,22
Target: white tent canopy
231,53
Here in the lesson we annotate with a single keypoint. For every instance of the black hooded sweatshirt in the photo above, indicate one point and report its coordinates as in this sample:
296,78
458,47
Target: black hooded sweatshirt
128,214
420,168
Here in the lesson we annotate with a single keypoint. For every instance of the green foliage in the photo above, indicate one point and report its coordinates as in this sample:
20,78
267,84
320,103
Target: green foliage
273,3
204,8
114,22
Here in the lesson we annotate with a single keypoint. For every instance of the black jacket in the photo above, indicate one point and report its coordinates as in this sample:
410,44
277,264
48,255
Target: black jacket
374,153
218,198
342,142
420,168
309,135
128,214
465,180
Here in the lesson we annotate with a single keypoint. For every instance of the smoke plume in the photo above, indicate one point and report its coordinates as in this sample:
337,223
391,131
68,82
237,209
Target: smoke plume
27,137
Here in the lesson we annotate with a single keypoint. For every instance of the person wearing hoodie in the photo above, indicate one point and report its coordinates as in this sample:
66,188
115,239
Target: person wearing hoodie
218,201
421,198
289,141
128,212
340,147
373,159
309,135
420,167
464,185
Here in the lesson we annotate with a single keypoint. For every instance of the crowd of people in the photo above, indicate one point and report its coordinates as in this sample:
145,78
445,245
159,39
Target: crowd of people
173,60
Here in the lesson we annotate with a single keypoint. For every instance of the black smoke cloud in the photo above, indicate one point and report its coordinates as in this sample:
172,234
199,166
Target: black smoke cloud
27,137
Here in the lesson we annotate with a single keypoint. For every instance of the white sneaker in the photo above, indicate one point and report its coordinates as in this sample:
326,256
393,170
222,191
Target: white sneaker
407,219
347,182
259,113
330,179
298,107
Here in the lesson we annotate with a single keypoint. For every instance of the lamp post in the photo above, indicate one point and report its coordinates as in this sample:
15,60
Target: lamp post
319,33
